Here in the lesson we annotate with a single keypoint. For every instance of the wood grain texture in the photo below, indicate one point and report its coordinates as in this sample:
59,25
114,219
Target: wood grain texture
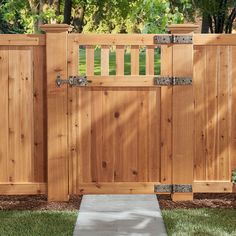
58,177
120,134
150,60
113,39
22,188
120,57
121,81
213,94
105,50
212,187
233,111
166,116
4,118
23,130
126,150
40,114
200,116
183,121
89,60
118,188
214,39
20,114
134,51
22,40
73,125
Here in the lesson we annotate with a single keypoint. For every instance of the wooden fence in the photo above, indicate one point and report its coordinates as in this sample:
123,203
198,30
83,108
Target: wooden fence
121,133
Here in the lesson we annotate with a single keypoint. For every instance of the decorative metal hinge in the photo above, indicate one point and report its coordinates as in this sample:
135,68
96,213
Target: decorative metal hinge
72,81
173,188
168,80
182,188
163,188
174,39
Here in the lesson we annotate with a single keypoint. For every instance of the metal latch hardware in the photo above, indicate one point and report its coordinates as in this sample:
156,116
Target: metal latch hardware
73,81
172,80
174,39
173,188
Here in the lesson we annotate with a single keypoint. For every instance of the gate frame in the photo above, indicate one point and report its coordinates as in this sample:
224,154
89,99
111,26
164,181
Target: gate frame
57,111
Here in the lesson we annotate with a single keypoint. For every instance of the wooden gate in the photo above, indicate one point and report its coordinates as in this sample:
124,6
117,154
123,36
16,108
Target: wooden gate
121,131
126,133
120,127
117,123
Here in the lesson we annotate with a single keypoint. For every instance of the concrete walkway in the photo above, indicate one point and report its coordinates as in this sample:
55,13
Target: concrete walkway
113,215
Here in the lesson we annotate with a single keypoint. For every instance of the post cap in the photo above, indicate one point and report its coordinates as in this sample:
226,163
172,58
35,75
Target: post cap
55,27
182,28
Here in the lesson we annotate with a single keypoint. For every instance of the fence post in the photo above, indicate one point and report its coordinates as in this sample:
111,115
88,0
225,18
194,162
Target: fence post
56,59
183,115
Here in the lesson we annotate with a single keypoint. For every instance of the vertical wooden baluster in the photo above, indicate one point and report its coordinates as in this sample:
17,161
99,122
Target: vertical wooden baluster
105,60
120,53
134,60
150,60
89,60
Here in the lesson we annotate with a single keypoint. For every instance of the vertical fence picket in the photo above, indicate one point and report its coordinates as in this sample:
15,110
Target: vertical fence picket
4,104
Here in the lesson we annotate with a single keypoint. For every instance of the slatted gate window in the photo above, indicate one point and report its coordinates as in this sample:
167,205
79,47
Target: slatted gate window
116,60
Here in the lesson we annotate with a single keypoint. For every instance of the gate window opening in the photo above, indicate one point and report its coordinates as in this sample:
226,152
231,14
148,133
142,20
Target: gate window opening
112,63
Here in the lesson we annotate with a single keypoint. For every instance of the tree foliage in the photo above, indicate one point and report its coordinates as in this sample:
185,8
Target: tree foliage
113,16
218,15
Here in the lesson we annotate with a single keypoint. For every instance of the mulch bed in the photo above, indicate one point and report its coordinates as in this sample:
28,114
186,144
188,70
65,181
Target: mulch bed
39,202
201,200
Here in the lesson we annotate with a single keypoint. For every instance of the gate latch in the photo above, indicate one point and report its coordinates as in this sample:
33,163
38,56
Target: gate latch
172,80
73,81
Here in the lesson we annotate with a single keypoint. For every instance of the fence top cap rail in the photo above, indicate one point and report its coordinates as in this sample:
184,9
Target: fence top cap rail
214,39
182,28
22,39
55,27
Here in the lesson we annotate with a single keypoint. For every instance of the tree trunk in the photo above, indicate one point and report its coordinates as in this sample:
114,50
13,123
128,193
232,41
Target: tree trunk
78,20
67,11
205,23
229,22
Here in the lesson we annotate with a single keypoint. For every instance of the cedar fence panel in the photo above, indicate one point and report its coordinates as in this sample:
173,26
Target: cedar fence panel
121,134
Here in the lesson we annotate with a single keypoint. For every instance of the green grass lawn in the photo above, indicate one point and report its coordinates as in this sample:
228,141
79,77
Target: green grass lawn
214,222
209,222
112,62
37,223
